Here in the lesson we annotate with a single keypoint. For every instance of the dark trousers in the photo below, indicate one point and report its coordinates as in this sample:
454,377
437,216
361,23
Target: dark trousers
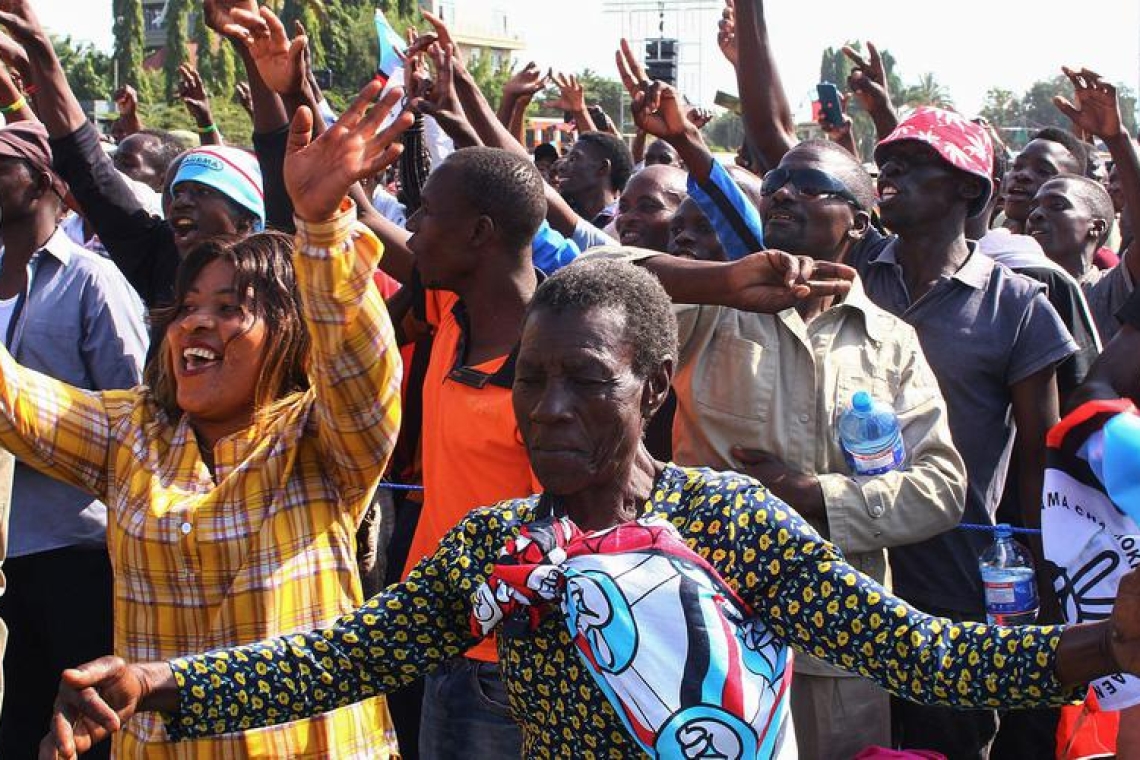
466,715
57,607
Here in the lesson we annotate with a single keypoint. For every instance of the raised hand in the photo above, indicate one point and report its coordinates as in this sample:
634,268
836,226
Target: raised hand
244,97
443,35
699,117
278,59
655,105
525,82
25,32
193,94
417,81
440,101
127,100
15,57
726,32
836,132
319,173
93,702
868,78
771,281
236,19
1097,110
571,94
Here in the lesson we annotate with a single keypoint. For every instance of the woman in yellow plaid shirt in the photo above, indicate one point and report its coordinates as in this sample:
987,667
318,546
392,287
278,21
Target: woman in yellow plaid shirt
236,478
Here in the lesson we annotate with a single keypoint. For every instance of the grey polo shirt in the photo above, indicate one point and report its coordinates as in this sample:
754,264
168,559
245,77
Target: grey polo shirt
983,329
79,321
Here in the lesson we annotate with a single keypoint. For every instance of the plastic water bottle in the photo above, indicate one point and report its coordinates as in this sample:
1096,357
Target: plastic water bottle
1007,574
870,436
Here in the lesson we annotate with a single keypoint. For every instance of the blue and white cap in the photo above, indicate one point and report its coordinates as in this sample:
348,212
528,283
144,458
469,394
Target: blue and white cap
231,171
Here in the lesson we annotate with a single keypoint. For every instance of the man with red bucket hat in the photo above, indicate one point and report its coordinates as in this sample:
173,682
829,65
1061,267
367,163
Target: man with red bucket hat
993,341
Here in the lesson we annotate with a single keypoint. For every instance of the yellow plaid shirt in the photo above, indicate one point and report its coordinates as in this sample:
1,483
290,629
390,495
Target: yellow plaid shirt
268,548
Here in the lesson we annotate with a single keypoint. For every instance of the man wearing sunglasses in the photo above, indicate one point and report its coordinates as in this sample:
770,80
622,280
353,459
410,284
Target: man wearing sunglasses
762,392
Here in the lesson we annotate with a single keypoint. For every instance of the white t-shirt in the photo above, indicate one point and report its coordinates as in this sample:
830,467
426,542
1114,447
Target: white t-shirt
1091,542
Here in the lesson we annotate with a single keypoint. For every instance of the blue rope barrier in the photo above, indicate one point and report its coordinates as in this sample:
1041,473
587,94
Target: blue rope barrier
400,486
993,528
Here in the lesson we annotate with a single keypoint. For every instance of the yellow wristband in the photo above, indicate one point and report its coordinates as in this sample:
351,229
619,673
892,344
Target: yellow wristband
19,104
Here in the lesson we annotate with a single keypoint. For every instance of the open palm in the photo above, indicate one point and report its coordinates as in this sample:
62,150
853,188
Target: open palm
319,173
1097,110
230,18
278,59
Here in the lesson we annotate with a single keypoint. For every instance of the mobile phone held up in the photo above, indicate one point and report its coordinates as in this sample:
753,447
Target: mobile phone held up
829,104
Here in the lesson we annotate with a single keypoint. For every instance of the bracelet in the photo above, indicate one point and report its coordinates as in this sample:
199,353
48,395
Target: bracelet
1106,652
208,130
15,106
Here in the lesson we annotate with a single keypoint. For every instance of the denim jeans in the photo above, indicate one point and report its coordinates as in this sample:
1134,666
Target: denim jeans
465,714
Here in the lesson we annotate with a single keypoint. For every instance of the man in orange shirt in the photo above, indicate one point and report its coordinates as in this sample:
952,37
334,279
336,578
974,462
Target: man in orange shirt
472,280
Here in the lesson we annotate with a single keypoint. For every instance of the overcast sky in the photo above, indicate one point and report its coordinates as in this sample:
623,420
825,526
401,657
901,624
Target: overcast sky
970,45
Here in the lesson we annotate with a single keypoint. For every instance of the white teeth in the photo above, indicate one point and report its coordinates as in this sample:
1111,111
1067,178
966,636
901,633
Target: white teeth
204,354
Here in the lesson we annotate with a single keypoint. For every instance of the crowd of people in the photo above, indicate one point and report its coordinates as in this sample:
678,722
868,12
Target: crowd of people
387,435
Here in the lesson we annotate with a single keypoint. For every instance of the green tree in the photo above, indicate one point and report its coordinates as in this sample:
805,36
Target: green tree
835,67
129,41
608,93
1001,107
1127,98
928,91
216,62
175,53
314,16
1037,106
725,132
88,70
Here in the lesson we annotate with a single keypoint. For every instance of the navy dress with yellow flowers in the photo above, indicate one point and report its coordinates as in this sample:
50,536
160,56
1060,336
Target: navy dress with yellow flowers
795,581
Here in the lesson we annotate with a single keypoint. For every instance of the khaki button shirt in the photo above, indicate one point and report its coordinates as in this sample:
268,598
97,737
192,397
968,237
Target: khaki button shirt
774,383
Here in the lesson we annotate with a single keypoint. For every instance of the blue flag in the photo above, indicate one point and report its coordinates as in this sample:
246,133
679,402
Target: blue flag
390,42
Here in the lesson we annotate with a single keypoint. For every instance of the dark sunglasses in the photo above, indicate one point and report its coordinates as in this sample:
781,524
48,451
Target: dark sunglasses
810,182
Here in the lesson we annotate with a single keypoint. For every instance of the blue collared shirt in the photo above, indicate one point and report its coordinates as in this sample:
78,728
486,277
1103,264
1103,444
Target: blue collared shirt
983,329
79,321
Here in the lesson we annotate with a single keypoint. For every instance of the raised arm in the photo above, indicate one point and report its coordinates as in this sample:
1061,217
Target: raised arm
767,114
572,100
192,93
868,81
518,91
1097,110
13,105
127,102
657,110
355,365
134,238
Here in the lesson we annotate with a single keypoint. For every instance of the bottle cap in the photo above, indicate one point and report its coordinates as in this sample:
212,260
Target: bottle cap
1002,530
861,401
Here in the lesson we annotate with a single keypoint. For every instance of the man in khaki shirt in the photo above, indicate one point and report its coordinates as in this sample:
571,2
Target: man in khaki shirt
763,393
